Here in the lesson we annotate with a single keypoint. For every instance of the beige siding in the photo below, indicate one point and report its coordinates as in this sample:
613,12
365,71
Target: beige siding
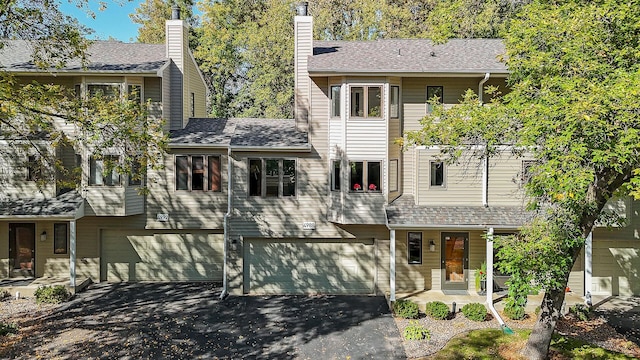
167,106
113,201
408,173
304,266
186,209
463,182
153,94
13,174
176,49
195,84
576,277
303,48
505,185
382,266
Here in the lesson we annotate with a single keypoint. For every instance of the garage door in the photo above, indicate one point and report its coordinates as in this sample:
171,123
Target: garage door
144,256
308,267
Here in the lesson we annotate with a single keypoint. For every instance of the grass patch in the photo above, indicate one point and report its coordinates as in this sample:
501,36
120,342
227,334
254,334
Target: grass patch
493,344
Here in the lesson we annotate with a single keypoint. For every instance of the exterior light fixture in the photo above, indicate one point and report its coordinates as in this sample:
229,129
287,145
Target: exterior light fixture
432,246
43,236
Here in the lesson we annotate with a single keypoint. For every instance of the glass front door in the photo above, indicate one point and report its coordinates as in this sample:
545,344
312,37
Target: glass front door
455,261
22,249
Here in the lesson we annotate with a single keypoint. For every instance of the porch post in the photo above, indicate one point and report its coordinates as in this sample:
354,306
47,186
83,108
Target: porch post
72,254
392,265
588,266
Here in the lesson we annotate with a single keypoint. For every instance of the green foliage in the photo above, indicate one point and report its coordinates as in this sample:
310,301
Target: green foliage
573,348
51,294
475,312
437,310
580,311
6,329
480,274
514,311
405,309
415,331
152,15
4,294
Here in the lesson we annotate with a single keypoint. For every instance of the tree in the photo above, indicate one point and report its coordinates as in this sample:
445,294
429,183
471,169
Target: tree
43,117
151,15
573,105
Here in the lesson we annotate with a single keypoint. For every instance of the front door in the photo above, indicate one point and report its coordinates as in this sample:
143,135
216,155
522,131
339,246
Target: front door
22,249
455,260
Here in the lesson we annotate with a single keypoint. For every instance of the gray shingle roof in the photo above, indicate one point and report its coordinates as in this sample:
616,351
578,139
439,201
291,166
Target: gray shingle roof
404,212
407,56
103,56
240,132
65,205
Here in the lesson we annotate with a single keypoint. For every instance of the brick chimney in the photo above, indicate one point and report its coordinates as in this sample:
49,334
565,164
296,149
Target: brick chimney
303,35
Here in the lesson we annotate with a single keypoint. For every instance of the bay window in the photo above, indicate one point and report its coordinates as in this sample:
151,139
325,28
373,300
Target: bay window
366,101
102,170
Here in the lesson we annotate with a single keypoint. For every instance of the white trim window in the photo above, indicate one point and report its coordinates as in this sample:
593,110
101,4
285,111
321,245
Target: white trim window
394,102
336,175
437,174
102,171
434,93
414,248
365,101
272,177
198,173
335,93
365,176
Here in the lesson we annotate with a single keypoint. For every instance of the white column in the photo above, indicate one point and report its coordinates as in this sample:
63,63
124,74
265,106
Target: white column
489,286
588,267
72,254
392,265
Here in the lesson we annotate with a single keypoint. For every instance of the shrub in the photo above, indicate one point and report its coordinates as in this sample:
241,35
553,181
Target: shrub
580,311
437,310
52,294
6,329
514,312
405,309
475,312
537,311
415,331
4,294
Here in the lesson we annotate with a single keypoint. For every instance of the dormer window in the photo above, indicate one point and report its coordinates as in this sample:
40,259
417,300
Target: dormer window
366,101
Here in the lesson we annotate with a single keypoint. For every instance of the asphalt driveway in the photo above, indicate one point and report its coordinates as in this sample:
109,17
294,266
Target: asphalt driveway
187,320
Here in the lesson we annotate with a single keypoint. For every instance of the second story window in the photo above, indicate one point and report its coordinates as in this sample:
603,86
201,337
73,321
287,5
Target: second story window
335,101
34,168
336,175
394,102
434,93
437,174
198,173
365,176
366,101
272,177
111,91
102,172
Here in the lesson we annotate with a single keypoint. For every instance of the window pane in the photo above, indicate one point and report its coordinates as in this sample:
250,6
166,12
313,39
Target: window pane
111,177
95,171
34,171
111,91
289,178
215,181
193,105
437,173
197,173
357,101
135,178
255,177
395,102
273,177
135,93
373,176
182,173
374,95
335,101
414,246
60,238
356,178
336,175
435,91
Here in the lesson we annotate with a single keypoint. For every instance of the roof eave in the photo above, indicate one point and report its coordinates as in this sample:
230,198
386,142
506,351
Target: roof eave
446,227
300,148
475,73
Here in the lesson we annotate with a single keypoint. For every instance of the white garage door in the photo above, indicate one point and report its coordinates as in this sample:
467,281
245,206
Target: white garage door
308,267
616,267
144,256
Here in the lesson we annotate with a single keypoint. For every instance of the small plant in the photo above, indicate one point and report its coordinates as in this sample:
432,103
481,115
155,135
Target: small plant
406,309
580,311
6,329
4,294
475,312
480,274
415,331
514,312
537,310
437,310
52,294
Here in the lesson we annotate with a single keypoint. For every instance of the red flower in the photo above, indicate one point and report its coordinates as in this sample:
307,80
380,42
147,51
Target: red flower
357,186
373,187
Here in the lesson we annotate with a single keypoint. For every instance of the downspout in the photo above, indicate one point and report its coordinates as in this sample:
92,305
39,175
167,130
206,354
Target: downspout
225,292
485,160
392,257
489,286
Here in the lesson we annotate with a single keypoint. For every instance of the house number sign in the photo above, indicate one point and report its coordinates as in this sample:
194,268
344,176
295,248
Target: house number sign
162,217
309,225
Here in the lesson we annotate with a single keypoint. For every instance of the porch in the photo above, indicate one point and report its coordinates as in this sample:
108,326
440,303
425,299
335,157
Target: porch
27,286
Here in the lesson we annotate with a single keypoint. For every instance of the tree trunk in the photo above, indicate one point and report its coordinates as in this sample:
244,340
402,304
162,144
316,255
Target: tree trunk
537,346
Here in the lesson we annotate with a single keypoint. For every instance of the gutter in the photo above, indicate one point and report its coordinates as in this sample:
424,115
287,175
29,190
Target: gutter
445,227
480,86
225,292
299,148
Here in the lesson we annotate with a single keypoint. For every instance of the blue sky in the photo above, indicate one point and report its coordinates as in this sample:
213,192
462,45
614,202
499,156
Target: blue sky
114,21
